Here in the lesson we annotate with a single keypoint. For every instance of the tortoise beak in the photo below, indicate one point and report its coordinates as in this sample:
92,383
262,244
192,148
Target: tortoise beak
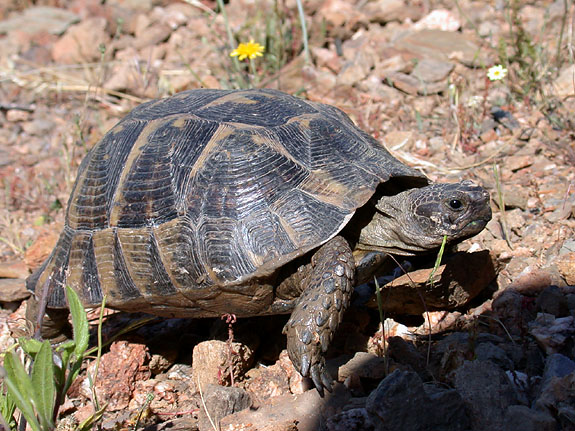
479,206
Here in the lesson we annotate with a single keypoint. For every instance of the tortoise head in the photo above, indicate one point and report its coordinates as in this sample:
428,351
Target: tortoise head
416,220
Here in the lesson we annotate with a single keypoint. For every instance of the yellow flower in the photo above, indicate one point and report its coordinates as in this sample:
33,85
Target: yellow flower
496,73
249,50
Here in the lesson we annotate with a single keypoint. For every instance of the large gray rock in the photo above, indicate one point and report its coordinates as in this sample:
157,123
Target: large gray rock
486,392
556,365
402,402
442,45
350,420
525,419
558,399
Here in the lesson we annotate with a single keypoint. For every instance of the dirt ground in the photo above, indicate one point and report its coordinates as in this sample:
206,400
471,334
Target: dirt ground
418,76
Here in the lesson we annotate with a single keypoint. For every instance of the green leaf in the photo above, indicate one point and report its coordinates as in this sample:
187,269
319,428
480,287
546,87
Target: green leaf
43,385
30,345
79,323
19,386
7,408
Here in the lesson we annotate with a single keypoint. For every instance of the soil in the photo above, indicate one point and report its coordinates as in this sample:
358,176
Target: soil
412,74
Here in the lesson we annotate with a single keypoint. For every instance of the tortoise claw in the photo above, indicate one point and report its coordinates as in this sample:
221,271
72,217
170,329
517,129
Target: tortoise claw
305,365
320,377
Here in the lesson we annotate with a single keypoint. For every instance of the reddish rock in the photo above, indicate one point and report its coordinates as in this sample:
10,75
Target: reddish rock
13,289
120,369
41,248
461,278
14,269
82,42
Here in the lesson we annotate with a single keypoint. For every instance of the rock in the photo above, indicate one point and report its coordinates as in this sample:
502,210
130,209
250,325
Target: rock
40,19
451,352
492,352
297,383
459,279
406,83
525,419
414,86
184,423
404,352
350,73
553,334
441,45
13,289
14,269
82,42
563,84
384,11
211,362
41,248
303,412
152,36
132,5
430,70
445,410
390,328
17,115
267,382
438,19
558,399
364,365
38,126
160,362
219,402
514,311
401,402
436,322
327,58
552,301
350,420
565,264
340,18
119,370
486,393
556,365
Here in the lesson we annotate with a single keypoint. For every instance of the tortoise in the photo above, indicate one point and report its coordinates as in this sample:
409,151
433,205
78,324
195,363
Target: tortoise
248,202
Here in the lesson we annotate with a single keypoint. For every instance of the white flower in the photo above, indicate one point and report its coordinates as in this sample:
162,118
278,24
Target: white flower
496,73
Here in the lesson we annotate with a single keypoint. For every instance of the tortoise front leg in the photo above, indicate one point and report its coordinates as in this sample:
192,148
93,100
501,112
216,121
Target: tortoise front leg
326,294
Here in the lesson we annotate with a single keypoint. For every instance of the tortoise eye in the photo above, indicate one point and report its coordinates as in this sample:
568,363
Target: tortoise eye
455,204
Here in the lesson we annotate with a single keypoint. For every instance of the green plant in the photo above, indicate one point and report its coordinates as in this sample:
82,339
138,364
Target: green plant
39,394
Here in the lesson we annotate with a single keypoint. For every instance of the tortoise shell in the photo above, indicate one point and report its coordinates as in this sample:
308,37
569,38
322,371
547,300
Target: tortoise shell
190,204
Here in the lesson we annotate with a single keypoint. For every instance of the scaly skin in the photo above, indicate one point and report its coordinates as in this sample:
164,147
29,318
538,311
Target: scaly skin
319,311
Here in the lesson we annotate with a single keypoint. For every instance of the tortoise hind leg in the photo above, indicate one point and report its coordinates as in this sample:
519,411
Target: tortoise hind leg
50,324
327,288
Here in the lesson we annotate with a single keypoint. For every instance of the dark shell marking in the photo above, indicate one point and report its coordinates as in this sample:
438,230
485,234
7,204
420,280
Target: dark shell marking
190,202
